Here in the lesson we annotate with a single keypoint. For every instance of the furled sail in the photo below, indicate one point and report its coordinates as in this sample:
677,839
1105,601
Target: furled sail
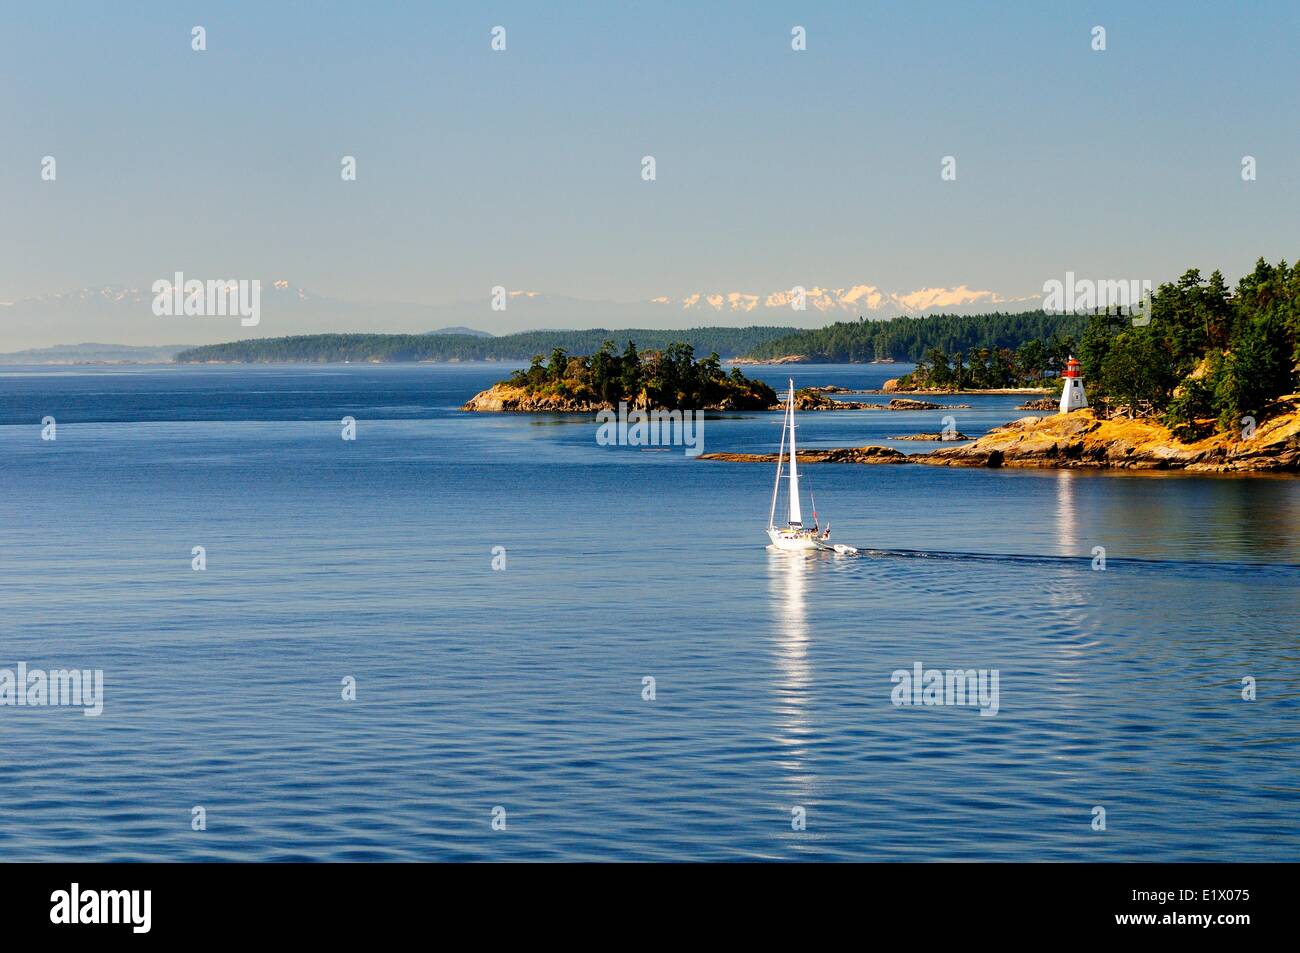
796,517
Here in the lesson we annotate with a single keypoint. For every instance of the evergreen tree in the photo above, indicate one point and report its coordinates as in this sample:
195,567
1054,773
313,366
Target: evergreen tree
630,376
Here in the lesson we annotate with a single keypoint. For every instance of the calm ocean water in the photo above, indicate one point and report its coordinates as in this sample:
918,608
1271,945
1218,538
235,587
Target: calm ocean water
522,688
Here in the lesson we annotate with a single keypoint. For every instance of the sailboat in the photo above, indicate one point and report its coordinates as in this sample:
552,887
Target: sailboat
794,535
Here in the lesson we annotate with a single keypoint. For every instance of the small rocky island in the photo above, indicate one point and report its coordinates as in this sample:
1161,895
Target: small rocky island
869,454
933,437
670,379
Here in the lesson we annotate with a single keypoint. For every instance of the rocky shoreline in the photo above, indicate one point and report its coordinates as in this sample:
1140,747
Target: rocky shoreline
891,387
1045,403
511,398
870,454
939,392
933,437
787,359
1077,440
1080,440
814,399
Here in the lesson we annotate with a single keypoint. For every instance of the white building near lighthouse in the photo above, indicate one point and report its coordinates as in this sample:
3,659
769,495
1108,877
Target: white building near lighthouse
1072,396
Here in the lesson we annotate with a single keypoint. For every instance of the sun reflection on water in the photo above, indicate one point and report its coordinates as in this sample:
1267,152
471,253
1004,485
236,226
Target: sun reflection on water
788,580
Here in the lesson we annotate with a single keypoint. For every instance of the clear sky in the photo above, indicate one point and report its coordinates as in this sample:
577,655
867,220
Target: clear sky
523,168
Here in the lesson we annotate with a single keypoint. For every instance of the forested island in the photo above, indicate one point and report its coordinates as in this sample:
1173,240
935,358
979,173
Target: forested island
384,348
896,339
910,339
670,379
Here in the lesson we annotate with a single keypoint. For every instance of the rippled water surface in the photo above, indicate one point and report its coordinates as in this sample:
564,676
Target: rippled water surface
523,688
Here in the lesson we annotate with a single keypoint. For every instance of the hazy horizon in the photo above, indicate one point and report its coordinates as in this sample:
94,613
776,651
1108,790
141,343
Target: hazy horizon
288,311
522,168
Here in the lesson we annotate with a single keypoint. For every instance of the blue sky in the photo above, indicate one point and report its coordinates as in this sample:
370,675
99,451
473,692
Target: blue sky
522,168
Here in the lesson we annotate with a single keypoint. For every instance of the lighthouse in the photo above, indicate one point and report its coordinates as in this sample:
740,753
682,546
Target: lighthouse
1072,397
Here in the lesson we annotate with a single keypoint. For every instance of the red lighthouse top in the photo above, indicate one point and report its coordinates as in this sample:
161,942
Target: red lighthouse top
1072,368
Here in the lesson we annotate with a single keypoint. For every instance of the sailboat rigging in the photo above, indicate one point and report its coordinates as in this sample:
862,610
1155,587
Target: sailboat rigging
794,535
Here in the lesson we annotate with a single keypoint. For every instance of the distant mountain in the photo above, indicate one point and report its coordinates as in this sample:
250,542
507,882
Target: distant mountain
857,300
94,354
460,329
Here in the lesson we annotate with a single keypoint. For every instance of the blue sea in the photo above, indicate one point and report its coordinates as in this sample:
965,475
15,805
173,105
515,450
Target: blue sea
521,694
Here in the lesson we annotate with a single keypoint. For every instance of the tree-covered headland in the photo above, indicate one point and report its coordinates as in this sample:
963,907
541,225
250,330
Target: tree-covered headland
1210,355
1201,358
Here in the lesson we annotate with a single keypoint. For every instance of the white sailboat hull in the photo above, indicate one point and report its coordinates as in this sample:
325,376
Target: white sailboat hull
790,540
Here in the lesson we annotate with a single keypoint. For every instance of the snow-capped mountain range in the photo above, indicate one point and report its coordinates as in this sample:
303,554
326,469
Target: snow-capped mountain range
858,300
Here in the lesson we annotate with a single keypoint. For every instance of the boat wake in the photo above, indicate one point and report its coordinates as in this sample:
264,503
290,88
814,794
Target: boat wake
1074,562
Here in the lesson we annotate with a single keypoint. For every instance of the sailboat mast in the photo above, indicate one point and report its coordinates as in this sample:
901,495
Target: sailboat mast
796,516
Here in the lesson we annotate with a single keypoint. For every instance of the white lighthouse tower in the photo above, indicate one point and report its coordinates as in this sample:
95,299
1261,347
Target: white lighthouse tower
1072,397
